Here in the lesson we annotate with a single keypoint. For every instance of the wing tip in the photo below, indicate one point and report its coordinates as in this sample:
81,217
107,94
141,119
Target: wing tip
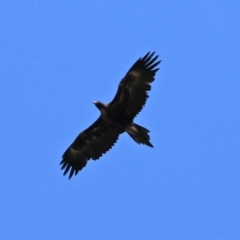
70,167
150,61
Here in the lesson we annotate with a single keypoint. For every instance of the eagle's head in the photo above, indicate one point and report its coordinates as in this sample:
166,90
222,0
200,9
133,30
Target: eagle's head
99,105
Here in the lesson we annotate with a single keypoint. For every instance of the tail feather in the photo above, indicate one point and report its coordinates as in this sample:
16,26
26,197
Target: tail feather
139,134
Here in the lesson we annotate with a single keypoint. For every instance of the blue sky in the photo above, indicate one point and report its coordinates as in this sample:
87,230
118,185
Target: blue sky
57,57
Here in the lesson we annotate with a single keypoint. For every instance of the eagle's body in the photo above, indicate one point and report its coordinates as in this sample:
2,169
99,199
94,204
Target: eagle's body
116,117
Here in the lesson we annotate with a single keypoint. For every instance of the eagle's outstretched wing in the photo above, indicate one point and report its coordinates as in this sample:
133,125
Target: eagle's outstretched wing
132,90
91,143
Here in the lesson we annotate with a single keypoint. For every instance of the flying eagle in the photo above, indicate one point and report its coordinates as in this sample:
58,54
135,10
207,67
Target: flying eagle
116,117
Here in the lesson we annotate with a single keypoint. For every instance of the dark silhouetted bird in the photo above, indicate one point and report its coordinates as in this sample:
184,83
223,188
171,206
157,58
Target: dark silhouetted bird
115,118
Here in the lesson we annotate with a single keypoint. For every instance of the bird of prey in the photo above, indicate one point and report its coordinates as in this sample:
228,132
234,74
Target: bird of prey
115,117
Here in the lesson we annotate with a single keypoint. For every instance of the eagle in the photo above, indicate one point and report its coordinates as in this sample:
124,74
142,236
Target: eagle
115,117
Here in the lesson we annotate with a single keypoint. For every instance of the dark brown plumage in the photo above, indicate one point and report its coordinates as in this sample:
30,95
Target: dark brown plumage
116,117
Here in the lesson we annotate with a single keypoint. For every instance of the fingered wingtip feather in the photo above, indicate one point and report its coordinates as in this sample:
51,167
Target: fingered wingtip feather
71,173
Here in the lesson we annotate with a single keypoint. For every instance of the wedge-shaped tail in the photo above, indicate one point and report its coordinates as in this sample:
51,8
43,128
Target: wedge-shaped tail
139,134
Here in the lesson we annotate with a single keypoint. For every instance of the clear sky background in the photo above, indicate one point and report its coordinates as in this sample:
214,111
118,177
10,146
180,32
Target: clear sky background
57,57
